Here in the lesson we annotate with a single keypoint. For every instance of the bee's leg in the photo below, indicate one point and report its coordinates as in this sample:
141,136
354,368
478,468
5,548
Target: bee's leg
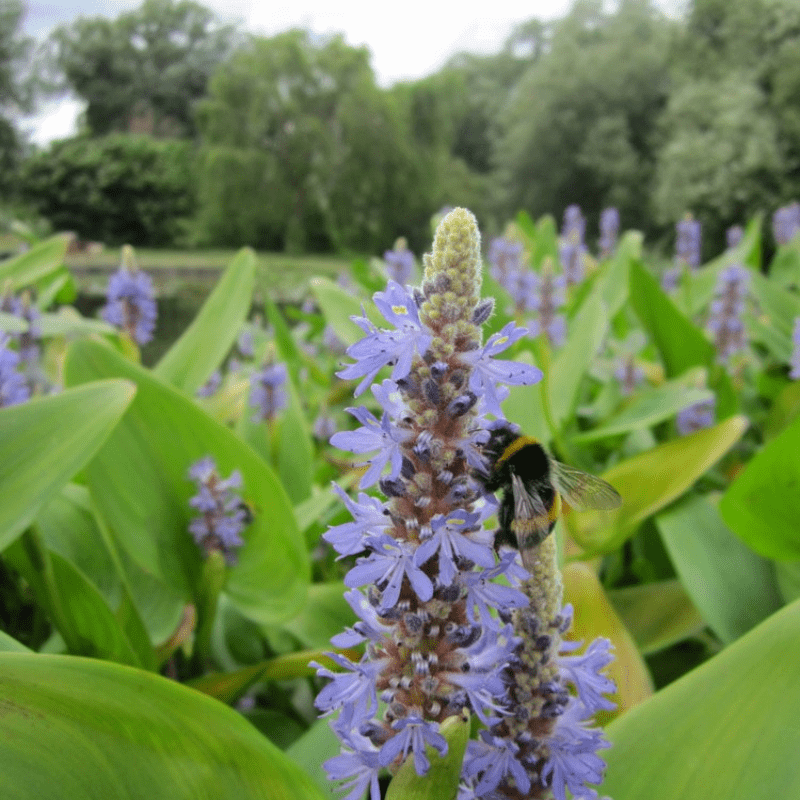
505,516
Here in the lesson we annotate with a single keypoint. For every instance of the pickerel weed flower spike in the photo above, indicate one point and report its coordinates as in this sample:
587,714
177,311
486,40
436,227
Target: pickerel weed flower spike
27,341
725,321
733,236
223,515
609,230
548,299
572,250
441,636
399,262
267,393
13,389
786,223
687,242
505,258
130,305
696,417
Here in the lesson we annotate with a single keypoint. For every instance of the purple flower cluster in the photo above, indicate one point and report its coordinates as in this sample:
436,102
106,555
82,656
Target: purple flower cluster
505,258
130,301
687,242
609,230
27,341
794,371
223,515
786,223
696,417
13,389
267,392
733,236
547,299
211,386
629,374
572,250
725,320
399,262
441,636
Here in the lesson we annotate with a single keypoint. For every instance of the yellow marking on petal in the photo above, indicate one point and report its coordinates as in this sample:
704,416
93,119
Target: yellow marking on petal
400,309
501,340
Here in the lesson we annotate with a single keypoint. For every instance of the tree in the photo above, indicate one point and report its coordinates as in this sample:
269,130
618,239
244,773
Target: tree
301,150
580,124
146,70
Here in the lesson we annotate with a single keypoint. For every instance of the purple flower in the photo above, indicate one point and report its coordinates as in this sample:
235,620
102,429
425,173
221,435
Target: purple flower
267,393
324,427
382,436
381,347
493,760
131,304
733,236
609,229
727,307
794,372
696,417
223,515
488,373
585,674
505,258
211,386
629,375
369,519
786,223
413,733
399,262
27,341
572,250
389,563
352,690
13,389
358,768
548,298
246,344
687,242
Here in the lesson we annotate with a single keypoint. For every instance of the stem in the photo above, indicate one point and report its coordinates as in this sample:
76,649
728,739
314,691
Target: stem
212,580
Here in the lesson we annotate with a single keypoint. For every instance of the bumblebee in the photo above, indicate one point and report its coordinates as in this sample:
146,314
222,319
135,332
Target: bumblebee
533,485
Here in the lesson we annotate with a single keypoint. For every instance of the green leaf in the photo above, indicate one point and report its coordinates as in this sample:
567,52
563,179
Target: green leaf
203,345
762,506
649,481
8,644
338,305
787,574
75,728
41,260
587,332
727,729
733,588
74,605
45,441
312,750
657,614
10,323
326,613
681,344
440,782
647,408
162,435
68,322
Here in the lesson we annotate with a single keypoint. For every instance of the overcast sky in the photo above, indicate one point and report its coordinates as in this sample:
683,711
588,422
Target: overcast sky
407,41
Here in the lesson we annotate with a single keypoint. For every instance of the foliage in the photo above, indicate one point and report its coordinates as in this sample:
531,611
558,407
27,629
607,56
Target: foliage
104,594
301,124
119,188
145,70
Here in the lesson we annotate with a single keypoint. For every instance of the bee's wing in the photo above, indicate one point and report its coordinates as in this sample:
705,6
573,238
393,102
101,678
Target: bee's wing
528,505
583,491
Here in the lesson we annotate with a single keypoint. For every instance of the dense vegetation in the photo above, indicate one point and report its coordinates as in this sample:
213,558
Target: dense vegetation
294,146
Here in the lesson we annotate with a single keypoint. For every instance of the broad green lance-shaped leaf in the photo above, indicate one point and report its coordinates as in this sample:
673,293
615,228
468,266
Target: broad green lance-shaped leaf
646,409
203,345
787,574
586,333
651,480
75,606
734,588
8,644
657,614
440,782
44,442
74,729
325,614
785,267
762,506
67,321
614,283
140,484
595,616
338,305
681,344
312,750
727,729
42,259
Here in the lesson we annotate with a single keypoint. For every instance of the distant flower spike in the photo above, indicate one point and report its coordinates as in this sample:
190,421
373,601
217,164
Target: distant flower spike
399,262
131,305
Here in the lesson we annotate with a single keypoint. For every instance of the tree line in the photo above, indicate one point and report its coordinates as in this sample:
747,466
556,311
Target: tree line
197,133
